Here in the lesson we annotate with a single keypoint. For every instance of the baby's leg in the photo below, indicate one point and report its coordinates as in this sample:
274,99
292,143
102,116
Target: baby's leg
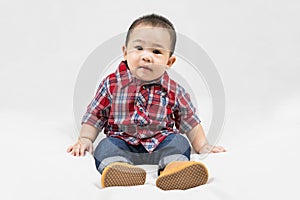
173,148
177,171
113,160
111,150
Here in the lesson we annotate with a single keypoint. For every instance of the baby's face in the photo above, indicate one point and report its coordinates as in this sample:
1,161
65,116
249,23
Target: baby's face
148,52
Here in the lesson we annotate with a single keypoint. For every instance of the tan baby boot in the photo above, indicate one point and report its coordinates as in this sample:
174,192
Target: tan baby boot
182,175
122,174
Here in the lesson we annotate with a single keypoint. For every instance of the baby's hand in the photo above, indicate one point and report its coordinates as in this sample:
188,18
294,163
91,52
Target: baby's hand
82,145
207,148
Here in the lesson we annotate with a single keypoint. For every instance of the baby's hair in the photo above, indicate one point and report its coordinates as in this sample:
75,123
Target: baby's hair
155,20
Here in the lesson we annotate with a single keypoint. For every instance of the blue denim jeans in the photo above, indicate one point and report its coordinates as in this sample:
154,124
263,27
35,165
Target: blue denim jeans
175,147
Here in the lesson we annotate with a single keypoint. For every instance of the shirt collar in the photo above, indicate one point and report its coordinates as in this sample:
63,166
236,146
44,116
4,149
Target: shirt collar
125,77
123,74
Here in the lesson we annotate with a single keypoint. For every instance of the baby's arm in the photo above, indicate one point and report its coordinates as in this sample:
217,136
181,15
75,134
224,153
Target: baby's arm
87,136
199,141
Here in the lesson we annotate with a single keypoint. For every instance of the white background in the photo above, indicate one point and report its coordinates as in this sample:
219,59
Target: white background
255,46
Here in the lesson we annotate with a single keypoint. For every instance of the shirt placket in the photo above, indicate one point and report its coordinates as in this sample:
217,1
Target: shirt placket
141,106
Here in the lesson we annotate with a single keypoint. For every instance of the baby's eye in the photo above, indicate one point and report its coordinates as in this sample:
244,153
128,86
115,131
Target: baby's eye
139,48
155,51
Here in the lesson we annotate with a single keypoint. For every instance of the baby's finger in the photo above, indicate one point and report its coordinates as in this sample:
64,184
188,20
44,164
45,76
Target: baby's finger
69,149
213,149
82,151
218,149
221,149
77,150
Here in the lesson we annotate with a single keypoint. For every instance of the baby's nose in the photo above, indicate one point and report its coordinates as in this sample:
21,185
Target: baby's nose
146,58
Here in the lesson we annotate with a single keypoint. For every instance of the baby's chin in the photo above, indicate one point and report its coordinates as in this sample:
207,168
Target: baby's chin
146,79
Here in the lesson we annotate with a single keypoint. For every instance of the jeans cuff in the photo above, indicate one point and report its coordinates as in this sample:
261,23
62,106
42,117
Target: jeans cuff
175,157
110,160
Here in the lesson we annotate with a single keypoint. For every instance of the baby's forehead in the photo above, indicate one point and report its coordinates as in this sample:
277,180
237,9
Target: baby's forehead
156,36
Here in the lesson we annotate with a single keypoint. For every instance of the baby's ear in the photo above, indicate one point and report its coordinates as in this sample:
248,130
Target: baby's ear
171,61
124,52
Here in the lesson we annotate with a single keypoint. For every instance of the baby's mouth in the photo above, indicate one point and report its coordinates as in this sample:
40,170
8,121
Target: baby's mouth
145,67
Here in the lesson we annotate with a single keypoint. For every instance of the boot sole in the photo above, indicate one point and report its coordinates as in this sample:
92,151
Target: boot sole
122,174
189,177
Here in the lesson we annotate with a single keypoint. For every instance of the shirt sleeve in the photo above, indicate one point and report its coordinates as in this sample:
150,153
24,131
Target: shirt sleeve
97,112
186,118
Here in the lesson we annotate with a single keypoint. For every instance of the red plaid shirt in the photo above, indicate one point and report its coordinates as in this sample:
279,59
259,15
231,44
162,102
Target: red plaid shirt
139,112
